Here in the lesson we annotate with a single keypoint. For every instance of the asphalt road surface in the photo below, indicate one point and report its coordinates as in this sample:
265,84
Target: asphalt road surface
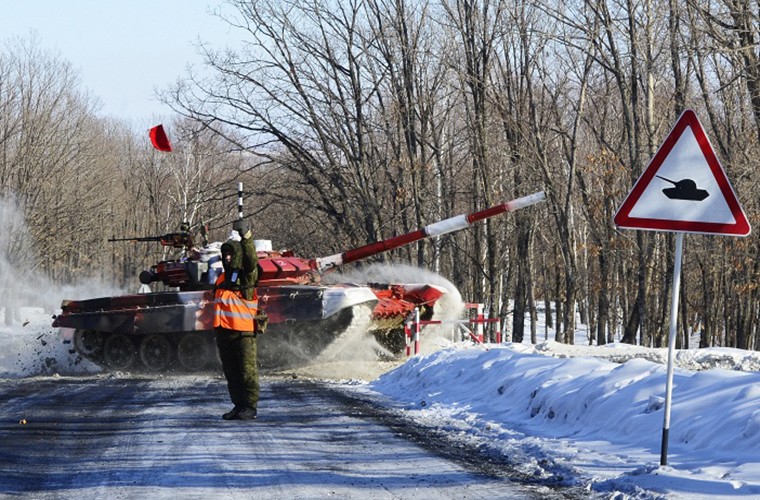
136,437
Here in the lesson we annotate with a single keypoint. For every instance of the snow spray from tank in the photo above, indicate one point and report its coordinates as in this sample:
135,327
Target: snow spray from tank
356,354
449,307
28,299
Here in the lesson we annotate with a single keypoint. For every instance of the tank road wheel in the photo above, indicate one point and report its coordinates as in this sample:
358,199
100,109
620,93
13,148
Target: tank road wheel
119,352
155,352
88,342
192,351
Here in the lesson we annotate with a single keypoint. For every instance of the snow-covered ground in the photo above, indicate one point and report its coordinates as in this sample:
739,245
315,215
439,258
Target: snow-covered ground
591,414
601,420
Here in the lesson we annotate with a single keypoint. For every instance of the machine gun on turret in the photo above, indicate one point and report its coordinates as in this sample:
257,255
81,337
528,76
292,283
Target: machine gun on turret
191,272
181,239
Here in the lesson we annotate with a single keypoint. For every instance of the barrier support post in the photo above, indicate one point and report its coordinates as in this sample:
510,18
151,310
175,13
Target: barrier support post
408,337
479,327
417,330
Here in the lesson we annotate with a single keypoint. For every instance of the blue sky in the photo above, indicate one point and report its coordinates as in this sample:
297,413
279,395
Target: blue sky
123,49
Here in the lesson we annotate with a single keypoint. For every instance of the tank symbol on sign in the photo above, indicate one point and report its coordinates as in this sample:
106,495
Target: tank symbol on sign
685,189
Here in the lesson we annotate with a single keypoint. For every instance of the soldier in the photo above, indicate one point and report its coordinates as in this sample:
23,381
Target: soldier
235,307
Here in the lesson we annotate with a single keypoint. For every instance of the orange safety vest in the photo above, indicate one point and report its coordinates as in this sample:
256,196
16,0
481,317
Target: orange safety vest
232,311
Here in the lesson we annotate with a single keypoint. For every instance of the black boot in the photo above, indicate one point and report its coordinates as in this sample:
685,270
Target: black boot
232,414
246,414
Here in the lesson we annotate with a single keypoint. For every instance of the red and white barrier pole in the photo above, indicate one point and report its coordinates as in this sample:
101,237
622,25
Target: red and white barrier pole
473,336
479,322
432,230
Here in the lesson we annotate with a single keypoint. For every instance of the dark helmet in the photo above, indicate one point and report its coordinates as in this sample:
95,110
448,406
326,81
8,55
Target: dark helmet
235,250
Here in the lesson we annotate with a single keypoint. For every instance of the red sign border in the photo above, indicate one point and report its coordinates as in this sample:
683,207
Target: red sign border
623,219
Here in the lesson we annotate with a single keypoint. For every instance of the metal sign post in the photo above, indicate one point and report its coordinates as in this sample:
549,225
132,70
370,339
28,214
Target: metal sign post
671,345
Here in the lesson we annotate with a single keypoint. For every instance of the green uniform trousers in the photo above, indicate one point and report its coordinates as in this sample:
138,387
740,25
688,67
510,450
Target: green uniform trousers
237,351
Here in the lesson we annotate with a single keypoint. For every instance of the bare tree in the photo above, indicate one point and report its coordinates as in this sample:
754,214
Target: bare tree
297,95
476,24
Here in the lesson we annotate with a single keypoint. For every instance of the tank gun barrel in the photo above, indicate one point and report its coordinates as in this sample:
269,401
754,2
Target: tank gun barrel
436,229
666,179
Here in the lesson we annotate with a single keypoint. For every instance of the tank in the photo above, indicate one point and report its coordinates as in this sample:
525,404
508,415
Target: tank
173,330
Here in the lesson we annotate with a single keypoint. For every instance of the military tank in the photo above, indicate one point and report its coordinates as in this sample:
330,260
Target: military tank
163,330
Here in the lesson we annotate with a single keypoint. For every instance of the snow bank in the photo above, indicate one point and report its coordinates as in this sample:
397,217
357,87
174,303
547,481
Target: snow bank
725,358
602,418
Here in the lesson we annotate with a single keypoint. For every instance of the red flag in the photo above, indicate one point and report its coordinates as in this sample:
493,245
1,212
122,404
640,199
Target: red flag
159,139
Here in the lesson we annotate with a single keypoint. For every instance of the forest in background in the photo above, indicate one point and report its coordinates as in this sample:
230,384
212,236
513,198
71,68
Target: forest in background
349,122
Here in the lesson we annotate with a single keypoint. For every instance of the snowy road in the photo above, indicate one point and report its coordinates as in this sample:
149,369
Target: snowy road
114,437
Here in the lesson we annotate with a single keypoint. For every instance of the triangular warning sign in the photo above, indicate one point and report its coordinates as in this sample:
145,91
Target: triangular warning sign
684,188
